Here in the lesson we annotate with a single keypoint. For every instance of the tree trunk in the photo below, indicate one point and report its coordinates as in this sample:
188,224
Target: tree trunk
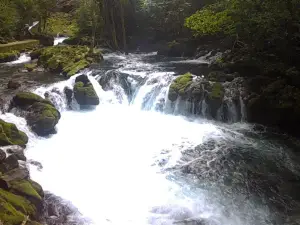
123,29
113,30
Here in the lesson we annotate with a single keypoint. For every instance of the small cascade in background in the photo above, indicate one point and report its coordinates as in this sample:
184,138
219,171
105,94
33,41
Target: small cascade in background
23,58
58,40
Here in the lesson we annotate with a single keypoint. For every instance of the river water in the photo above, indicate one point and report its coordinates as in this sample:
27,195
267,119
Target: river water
131,161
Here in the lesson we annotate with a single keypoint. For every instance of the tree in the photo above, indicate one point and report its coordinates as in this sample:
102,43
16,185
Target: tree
8,18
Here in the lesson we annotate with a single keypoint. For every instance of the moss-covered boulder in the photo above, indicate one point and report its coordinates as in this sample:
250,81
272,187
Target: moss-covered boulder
10,135
29,189
41,114
84,92
67,60
179,86
25,99
9,56
42,118
14,208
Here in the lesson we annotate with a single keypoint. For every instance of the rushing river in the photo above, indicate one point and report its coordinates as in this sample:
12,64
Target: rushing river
130,161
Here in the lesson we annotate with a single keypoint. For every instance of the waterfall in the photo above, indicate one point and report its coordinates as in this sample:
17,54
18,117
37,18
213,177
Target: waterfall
59,40
140,159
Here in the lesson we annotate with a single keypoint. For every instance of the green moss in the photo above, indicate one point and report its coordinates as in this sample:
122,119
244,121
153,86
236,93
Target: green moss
37,187
9,56
85,94
18,202
74,68
61,23
30,67
88,90
18,46
43,118
217,91
179,85
9,215
67,59
10,135
24,99
24,187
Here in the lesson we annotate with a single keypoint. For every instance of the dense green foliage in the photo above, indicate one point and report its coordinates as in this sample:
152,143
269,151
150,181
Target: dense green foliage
271,25
15,14
62,23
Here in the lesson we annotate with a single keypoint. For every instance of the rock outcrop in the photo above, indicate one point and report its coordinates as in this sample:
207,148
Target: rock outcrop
21,199
84,92
67,60
40,113
210,99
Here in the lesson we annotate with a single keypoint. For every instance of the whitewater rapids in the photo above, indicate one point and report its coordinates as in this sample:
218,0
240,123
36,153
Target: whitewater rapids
120,164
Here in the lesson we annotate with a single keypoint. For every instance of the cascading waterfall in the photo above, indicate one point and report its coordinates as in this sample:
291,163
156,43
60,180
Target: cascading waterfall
130,162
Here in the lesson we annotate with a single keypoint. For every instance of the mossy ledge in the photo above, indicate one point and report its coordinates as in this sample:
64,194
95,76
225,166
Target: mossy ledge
19,46
179,86
67,60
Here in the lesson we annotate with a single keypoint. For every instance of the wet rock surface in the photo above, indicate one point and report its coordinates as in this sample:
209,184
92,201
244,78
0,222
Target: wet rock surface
84,92
40,113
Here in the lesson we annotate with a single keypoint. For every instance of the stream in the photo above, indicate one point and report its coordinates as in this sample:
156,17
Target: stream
135,160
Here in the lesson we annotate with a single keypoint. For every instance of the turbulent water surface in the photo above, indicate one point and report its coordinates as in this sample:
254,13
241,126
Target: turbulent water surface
131,161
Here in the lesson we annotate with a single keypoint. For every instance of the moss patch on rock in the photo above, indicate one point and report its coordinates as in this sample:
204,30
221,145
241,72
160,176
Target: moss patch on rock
217,91
25,99
66,59
43,118
10,135
25,188
30,66
41,114
9,56
85,94
179,86
18,202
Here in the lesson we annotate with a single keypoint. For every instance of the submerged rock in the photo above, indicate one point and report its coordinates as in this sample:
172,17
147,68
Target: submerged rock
41,114
84,92
13,84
